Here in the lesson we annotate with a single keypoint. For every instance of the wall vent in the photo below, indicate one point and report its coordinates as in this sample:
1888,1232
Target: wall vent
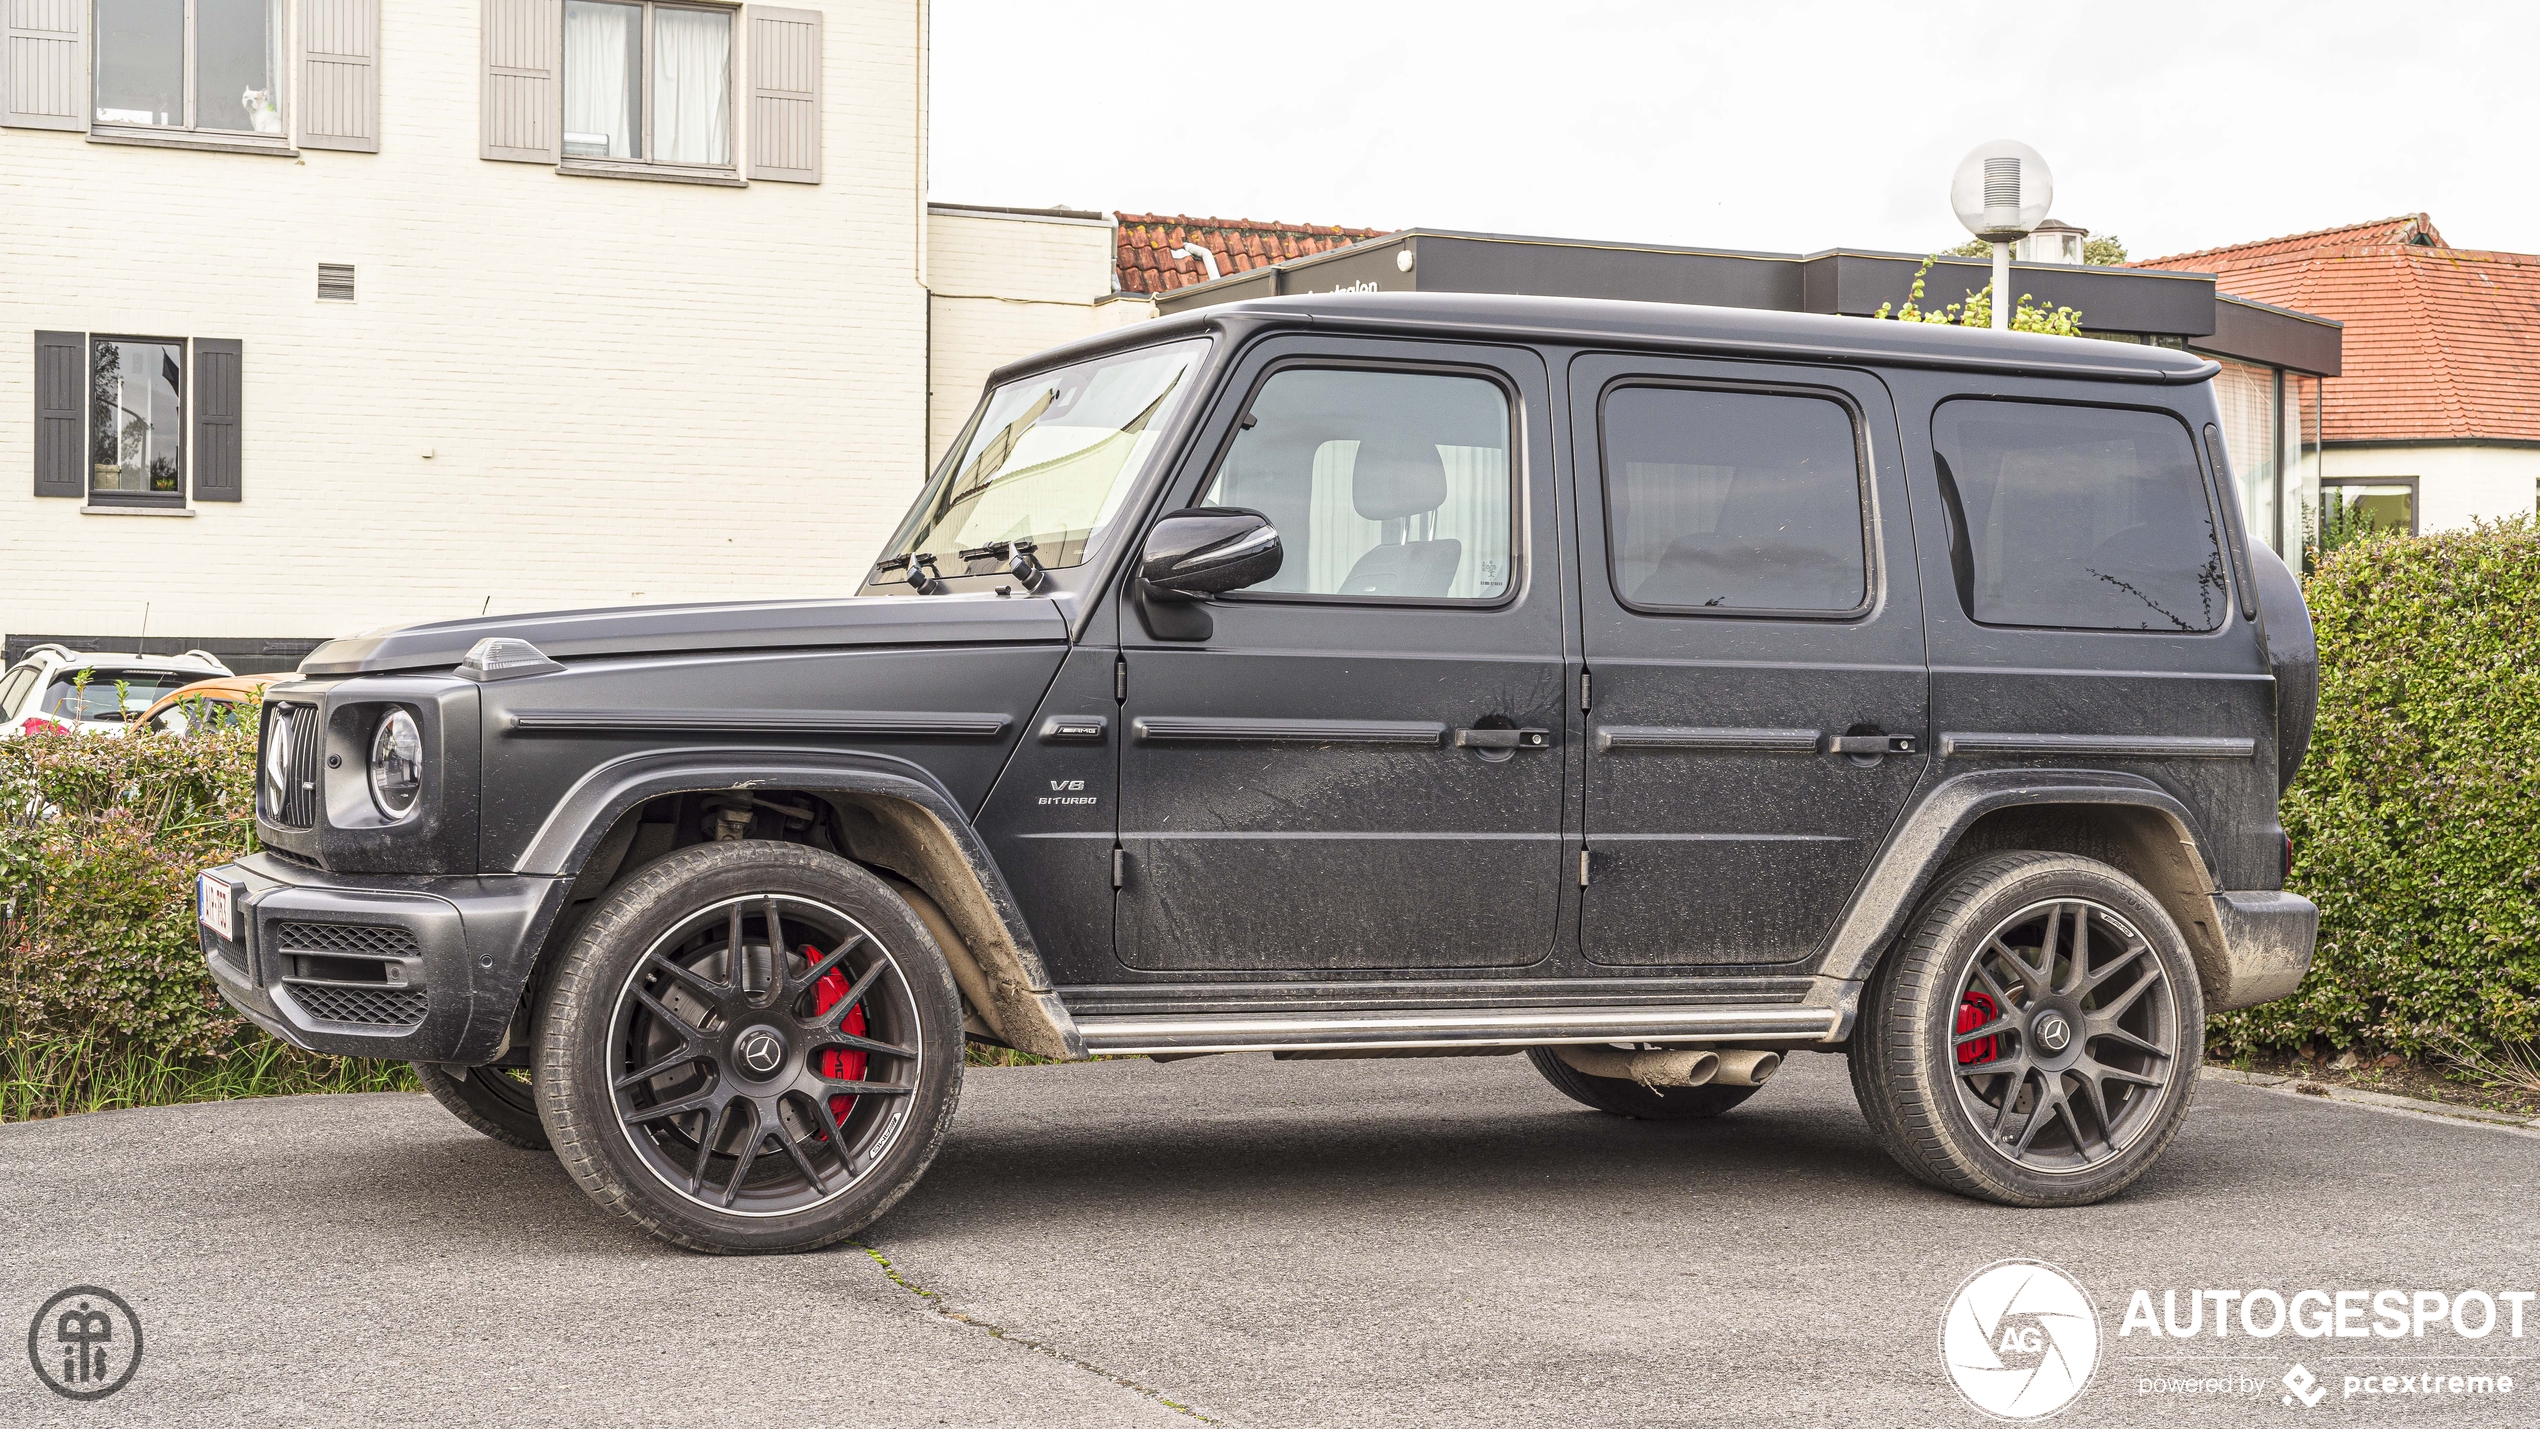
335,282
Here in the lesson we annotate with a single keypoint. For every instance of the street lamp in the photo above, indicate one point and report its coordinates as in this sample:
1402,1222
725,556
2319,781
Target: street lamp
2001,191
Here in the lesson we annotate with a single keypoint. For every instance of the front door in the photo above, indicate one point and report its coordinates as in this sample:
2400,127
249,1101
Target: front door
1303,789
1757,690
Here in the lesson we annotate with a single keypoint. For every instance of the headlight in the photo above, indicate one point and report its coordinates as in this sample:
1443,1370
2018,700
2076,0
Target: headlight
277,763
396,764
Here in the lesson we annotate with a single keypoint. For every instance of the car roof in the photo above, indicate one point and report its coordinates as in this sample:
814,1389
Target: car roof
91,659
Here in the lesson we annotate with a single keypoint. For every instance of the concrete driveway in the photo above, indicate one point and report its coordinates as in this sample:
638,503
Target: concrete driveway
1320,1243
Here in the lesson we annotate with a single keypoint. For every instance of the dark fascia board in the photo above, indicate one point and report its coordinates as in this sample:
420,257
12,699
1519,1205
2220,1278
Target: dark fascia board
2134,300
2276,337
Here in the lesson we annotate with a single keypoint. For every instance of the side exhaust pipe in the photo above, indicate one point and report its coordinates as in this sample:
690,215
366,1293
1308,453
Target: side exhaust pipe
1683,1067
1746,1069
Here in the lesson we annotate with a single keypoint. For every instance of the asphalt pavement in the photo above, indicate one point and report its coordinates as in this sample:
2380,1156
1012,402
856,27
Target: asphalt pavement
1369,1243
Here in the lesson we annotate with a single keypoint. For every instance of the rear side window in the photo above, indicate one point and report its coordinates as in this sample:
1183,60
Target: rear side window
2083,518
1733,501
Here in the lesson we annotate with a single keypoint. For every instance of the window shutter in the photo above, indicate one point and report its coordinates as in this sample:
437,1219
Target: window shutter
217,385
45,69
339,80
524,61
785,95
61,414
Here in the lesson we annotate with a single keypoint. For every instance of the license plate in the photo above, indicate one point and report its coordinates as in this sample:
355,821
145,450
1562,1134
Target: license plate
212,903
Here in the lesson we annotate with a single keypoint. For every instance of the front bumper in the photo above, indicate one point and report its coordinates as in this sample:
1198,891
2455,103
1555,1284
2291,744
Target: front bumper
2266,940
402,968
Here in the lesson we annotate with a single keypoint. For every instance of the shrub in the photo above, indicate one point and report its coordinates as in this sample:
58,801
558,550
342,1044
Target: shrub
2414,823
104,999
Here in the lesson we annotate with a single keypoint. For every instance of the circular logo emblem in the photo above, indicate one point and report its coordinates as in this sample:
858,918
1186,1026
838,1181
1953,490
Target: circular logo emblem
760,1052
2020,1339
84,1343
2053,1032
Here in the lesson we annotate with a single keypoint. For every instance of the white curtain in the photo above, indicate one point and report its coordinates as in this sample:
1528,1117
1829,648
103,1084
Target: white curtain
692,86
598,80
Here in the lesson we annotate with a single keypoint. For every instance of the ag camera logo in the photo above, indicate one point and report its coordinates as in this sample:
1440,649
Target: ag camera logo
2020,1340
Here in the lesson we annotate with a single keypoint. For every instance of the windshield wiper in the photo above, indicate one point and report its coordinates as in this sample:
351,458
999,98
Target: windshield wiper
923,578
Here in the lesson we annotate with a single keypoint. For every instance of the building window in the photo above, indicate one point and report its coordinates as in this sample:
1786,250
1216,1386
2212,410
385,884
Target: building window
136,421
647,83
2354,506
206,65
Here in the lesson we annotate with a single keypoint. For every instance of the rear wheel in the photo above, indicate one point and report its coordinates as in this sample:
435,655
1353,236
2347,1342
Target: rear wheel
2035,1039
495,1100
1623,1097
752,1046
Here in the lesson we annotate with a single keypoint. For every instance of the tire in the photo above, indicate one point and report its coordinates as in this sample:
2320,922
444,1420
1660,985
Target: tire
706,1107
1624,1097
1982,979
497,1102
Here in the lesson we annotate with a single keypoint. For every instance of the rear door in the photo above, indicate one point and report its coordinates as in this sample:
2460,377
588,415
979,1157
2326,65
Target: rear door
1297,791
1757,691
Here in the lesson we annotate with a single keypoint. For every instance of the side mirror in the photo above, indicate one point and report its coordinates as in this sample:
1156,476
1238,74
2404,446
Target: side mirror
1194,554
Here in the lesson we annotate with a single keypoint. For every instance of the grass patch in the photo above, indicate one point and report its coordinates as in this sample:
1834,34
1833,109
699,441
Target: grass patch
60,1079
2452,1082
983,1054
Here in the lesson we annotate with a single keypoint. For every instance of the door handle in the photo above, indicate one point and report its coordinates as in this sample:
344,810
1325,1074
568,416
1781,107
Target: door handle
1870,745
1503,739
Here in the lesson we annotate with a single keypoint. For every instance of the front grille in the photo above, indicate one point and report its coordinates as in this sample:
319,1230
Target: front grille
291,802
367,940
361,1006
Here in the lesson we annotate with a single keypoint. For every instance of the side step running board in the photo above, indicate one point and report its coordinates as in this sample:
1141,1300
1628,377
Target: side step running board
1532,1027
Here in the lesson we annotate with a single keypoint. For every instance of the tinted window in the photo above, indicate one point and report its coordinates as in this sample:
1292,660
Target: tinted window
1733,500
1384,485
2081,517
109,694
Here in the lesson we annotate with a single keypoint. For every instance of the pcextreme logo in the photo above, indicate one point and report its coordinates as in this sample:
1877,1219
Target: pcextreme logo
2020,1340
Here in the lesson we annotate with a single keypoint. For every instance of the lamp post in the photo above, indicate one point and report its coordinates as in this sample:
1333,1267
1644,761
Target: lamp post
2002,191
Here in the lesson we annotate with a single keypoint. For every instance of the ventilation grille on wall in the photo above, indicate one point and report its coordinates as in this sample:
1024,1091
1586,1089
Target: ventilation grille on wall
335,282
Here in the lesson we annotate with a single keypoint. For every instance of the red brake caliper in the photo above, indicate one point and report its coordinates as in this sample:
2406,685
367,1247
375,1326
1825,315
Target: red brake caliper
1974,1010
841,1066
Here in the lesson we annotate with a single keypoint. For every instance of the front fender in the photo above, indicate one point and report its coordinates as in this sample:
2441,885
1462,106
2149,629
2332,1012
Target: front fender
929,840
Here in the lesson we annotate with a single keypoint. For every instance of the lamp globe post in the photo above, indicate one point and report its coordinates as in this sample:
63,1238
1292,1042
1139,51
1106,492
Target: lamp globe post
2002,191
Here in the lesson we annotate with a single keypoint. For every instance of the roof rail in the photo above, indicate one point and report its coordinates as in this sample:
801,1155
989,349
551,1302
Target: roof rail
208,658
64,651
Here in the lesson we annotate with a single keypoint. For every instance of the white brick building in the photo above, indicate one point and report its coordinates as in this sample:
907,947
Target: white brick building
476,304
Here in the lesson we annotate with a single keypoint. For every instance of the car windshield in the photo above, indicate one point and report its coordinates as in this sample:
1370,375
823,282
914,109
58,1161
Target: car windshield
109,694
1051,457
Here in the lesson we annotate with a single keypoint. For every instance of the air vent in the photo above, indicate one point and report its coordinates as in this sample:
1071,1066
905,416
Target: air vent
335,282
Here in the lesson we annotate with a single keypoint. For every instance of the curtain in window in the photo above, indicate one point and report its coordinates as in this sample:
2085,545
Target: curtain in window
2246,395
692,86
602,46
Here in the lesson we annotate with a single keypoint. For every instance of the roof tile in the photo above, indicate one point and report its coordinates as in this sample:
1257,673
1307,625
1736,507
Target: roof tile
1147,240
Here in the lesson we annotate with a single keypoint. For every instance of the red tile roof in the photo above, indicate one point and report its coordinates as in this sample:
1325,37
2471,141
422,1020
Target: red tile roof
2441,344
1147,241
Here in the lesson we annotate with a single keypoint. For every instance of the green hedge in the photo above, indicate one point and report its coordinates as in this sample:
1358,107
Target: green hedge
2416,820
104,1000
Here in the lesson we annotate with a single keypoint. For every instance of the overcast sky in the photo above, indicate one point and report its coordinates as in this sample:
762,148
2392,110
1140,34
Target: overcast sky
1785,127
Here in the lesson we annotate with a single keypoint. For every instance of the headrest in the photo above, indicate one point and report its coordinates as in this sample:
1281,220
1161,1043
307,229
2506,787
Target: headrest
1394,477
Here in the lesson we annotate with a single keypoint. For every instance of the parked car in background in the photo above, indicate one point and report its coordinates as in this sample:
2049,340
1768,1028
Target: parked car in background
59,690
217,703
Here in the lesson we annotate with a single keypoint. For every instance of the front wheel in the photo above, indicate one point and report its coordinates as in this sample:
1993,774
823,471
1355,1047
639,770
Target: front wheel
2034,1040
750,1047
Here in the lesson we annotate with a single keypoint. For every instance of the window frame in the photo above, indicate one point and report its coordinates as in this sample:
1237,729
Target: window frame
647,167
1953,517
192,134
2416,494
178,500
1861,473
1517,552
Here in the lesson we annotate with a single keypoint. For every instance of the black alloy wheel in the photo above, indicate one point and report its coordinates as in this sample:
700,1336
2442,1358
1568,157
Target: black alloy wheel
750,1046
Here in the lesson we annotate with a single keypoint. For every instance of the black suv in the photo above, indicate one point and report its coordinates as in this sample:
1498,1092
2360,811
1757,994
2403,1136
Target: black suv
1654,690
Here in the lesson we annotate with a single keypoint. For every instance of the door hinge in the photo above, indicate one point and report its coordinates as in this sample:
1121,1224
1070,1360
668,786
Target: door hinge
1120,679
1119,867
1583,868
1583,691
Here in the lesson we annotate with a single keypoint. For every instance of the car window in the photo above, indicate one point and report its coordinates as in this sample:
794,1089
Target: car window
1733,501
98,693
13,688
2091,518
1383,485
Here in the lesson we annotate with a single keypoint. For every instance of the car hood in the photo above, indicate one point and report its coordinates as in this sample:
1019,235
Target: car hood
729,625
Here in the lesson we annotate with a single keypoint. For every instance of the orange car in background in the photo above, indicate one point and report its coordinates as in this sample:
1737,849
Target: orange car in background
214,703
